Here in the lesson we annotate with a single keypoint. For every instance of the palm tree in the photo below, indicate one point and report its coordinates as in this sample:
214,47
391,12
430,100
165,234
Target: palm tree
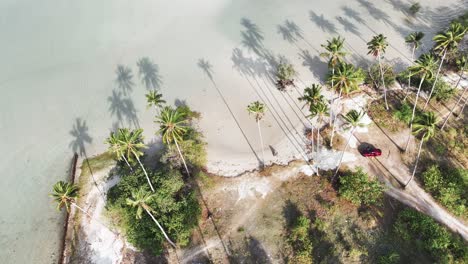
319,109
258,110
131,143
425,126
425,69
462,65
116,148
154,98
172,124
346,79
311,95
413,39
377,47
140,199
334,53
446,41
352,121
65,195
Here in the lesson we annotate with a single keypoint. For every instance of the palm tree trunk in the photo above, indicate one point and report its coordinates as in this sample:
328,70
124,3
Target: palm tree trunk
126,161
414,110
435,81
261,140
454,106
409,77
160,227
383,80
417,160
463,107
182,157
334,122
342,155
333,73
143,168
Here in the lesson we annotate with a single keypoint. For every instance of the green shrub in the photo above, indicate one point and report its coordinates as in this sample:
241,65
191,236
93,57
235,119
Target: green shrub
443,91
421,230
359,189
403,113
175,207
285,72
414,8
299,238
391,258
373,76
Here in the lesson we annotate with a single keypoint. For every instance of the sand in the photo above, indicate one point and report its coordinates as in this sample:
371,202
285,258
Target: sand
59,90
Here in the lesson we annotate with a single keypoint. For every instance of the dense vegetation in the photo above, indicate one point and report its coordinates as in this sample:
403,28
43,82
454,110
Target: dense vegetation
359,189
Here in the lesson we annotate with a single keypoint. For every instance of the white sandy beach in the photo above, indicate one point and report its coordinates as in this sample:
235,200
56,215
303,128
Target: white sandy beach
59,90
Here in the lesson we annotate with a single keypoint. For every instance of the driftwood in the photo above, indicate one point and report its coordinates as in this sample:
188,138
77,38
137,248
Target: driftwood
283,84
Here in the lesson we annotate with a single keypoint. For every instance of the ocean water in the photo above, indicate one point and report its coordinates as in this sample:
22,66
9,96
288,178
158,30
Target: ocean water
59,92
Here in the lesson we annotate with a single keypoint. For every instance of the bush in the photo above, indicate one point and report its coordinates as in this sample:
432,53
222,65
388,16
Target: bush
374,79
443,91
391,258
448,187
427,235
414,8
300,240
175,207
359,189
403,113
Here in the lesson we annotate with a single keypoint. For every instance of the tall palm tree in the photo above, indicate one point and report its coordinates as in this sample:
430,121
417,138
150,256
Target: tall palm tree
319,109
352,120
346,79
425,126
311,95
140,199
462,66
377,47
413,39
153,98
424,67
131,143
172,127
116,148
65,195
445,42
334,52
258,110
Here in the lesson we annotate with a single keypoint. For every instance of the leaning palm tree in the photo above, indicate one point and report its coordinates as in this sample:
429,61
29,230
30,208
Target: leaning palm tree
352,120
319,109
140,199
413,39
116,148
425,126
377,47
311,95
153,98
65,195
172,127
462,66
346,79
445,42
258,110
425,69
131,143
334,52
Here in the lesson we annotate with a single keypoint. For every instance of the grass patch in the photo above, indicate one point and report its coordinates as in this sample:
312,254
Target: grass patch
96,163
385,118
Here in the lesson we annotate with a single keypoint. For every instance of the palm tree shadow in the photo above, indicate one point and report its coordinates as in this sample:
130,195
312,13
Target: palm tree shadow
124,78
207,68
149,73
123,108
323,23
318,68
252,36
290,31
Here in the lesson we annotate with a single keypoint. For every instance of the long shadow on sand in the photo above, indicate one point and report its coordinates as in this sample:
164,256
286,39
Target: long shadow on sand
124,79
123,109
149,74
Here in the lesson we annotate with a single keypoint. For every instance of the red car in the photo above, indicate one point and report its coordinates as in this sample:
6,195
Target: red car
371,152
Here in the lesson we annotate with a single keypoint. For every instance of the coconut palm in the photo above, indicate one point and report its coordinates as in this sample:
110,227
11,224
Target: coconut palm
462,66
319,109
154,98
345,79
352,119
116,148
258,110
445,42
424,125
413,39
424,67
65,195
377,47
140,199
131,143
172,126
311,95
334,52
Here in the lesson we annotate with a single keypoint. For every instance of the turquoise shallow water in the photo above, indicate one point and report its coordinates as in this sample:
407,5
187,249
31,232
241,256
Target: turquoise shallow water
58,89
